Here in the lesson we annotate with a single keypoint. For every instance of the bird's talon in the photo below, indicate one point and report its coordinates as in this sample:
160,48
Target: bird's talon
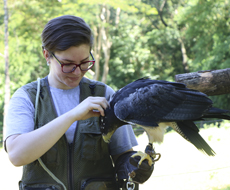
143,156
158,158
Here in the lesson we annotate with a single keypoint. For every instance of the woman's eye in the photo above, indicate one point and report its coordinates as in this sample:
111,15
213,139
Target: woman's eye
85,62
68,64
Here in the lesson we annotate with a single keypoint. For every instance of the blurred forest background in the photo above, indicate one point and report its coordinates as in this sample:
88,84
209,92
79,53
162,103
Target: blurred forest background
133,39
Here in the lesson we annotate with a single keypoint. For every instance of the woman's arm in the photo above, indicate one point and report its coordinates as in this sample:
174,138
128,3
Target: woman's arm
26,148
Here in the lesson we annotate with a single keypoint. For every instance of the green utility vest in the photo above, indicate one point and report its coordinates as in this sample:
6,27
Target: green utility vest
83,164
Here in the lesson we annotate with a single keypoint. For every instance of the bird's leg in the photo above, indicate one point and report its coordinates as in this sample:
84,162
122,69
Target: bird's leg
151,152
149,155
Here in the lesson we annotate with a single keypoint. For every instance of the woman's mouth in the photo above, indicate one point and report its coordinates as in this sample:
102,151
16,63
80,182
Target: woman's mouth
73,78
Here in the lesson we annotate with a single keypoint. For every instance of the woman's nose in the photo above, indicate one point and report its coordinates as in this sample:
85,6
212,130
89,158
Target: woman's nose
77,70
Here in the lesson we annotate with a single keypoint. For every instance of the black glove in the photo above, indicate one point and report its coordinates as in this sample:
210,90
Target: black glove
126,165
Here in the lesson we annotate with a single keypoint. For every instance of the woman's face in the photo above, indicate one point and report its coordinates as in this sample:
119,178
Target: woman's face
74,55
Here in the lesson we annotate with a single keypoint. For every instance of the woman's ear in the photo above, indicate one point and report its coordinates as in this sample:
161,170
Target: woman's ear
46,55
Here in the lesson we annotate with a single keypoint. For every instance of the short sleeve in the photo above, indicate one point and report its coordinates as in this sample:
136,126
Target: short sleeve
122,140
20,115
109,92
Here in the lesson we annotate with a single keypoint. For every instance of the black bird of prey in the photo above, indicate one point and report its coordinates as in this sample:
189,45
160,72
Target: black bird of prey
154,105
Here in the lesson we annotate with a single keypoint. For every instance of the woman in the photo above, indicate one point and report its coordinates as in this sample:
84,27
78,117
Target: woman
65,135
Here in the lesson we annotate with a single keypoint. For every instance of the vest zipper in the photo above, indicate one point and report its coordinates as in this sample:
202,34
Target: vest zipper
70,147
71,160
70,166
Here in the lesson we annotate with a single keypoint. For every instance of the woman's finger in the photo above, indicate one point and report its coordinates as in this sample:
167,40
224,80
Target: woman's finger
100,100
98,108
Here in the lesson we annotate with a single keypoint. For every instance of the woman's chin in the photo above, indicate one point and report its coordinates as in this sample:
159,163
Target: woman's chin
73,82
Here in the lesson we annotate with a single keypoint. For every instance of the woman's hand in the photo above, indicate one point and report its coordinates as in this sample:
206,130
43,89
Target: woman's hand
90,107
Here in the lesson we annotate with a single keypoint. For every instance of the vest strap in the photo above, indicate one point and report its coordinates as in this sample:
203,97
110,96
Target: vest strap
39,159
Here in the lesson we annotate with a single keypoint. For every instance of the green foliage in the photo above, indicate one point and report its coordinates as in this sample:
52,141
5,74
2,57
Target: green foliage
207,24
146,42
223,188
26,21
1,140
129,53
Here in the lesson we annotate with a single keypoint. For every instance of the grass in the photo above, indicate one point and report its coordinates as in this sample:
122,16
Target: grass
181,167
225,188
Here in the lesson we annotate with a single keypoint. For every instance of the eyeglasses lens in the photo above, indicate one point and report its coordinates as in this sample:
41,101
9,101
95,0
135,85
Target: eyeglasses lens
83,66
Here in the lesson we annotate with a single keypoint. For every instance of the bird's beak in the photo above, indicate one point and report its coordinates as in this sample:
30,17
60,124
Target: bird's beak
107,137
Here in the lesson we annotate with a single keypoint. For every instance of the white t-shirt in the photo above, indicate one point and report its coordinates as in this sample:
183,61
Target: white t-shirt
20,117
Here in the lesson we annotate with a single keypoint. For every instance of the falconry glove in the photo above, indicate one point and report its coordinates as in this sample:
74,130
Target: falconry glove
127,166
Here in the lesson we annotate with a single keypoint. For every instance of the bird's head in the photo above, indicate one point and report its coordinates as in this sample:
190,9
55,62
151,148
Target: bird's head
108,124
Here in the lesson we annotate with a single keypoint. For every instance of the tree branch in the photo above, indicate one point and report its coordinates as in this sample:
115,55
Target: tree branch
160,12
210,82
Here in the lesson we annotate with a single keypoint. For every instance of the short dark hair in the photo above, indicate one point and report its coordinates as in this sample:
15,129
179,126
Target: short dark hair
62,32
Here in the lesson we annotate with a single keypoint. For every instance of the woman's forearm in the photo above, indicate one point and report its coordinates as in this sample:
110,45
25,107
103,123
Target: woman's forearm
26,148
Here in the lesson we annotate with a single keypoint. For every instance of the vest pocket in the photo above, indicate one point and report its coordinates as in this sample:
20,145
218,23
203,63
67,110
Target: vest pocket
41,188
93,147
99,183
23,186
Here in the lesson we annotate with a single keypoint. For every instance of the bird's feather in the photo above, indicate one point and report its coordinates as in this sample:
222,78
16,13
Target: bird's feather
189,131
160,101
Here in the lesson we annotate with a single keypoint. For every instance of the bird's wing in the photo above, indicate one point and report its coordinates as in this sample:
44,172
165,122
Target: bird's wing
160,102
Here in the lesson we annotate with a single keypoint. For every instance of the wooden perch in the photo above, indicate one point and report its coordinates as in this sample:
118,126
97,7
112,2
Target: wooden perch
210,82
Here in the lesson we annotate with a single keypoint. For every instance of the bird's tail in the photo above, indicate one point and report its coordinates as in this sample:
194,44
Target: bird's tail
190,132
217,113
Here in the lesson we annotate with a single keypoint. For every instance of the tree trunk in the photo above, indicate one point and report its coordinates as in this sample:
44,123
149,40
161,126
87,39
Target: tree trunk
117,16
7,77
97,51
210,82
184,55
106,44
